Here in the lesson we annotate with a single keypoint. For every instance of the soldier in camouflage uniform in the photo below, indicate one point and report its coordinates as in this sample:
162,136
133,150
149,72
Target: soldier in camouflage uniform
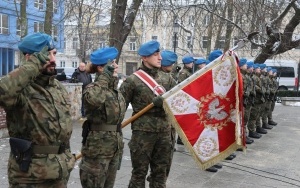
187,71
151,142
266,106
269,94
247,88
105,106
258,103
273,95
38,118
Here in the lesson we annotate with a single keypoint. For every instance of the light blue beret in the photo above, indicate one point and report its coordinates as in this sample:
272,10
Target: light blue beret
242,62
269,69
168,58
35,43
256,66
201,61
187,59
214,55
149,48
262,66
103,55
274,70
250,64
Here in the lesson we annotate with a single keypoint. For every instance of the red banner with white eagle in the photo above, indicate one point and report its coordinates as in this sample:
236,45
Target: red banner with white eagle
206,110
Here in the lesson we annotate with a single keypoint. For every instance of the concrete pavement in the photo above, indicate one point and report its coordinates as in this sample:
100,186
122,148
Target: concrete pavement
272,161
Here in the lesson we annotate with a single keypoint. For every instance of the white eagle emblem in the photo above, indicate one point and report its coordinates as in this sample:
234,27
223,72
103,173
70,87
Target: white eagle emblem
215,111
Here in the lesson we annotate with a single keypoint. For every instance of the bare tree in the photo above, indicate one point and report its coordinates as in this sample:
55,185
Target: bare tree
122,19
281,40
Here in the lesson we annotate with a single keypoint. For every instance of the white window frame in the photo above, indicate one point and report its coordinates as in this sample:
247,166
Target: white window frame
189,41
18,27
55,32
55,5
39,4
75,43
62,63
4,29
206,20
102,44
74,64
132,43
154,37
204,41
38,27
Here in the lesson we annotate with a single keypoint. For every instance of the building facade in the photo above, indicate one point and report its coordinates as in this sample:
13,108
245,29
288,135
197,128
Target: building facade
10,30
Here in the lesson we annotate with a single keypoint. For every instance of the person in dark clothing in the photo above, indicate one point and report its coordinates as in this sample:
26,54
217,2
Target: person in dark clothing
80,75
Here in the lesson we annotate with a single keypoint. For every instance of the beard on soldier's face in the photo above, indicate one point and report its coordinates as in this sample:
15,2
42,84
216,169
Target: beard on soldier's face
50,69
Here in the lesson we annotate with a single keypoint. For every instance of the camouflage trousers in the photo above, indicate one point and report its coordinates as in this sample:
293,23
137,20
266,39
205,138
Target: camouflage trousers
254,118
46,184
270,116
154,149
266,111
247,110
101,159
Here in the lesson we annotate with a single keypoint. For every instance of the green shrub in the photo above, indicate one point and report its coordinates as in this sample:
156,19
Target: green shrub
288,93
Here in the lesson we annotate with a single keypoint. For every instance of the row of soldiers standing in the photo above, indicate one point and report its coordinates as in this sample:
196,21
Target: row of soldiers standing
260,89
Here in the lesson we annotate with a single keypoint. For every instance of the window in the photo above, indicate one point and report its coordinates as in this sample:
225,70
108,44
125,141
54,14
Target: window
204,41
18,27
54,33
221,43
38,26
155,19
132,43
39,4
154,37
74,64
75,43
55,5
235,40
285,71
102,44
3,24
189,41
62,63
206,20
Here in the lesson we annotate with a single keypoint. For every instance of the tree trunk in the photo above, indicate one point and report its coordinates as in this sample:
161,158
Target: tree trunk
120,25
229,26
48,17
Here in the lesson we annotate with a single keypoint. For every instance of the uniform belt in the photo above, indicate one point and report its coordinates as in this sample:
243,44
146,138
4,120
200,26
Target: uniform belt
95,127
48,149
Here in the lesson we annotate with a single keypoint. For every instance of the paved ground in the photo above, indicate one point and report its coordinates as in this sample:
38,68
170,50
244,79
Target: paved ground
272,161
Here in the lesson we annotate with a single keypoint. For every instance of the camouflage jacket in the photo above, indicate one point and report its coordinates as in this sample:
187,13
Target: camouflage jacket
259,90
247,84
104,105
184,74
103,102
136,92
38,110
265,79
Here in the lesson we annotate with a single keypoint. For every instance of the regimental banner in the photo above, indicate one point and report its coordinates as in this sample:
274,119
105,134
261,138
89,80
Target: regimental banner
206,110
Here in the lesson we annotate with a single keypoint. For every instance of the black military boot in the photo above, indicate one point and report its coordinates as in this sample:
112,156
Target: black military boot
261,130
271,122
249,140
231,156
212,169
254,134
266,126
218,166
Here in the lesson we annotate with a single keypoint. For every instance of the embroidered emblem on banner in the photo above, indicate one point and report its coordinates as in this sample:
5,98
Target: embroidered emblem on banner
211,113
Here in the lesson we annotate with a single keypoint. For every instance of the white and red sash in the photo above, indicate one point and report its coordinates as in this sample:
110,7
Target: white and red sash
150,82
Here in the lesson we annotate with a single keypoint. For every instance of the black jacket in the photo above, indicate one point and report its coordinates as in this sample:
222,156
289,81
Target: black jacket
82,76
